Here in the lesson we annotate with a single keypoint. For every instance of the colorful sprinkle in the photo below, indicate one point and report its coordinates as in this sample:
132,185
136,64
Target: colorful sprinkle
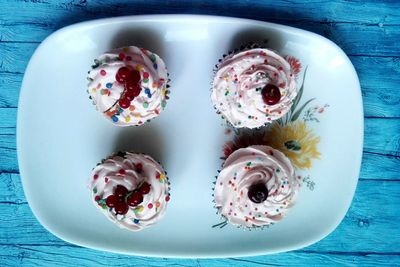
145,104
109,85
114,118
103,73
150,206
136,221
167,198
138,209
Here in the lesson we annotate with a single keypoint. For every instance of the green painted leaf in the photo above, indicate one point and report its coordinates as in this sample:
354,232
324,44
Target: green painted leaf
298,112
293,145
299,93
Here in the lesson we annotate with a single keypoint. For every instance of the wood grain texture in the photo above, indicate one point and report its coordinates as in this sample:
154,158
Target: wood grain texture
10,84
379,43
368,31
25,255
322,11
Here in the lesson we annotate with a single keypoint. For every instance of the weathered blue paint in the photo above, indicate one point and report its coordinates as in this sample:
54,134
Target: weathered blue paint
368,32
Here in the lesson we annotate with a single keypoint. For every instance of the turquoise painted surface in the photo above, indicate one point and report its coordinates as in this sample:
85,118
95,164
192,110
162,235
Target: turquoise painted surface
368,31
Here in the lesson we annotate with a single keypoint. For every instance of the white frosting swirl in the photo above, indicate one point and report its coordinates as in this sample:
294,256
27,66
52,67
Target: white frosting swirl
246,167
107,175
237,86
105,91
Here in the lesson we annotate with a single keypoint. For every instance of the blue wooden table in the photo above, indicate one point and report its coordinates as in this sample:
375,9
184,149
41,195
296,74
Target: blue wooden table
369,32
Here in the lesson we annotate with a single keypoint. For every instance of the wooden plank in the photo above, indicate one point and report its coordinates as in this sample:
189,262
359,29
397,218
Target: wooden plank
11,188
382,136
61,12
374,208
376,166
350,37
75,256
14,57
8,152
10,84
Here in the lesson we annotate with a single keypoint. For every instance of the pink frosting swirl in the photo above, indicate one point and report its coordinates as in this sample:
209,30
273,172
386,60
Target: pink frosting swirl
254,165
238,83
123,170
105,91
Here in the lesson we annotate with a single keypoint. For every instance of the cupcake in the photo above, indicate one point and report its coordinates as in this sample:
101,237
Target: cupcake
131,190
128,85
253,88
256,187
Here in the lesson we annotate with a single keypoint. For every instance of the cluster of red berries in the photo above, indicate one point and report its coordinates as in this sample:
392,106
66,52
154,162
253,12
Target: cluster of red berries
122,198
130,79
271,94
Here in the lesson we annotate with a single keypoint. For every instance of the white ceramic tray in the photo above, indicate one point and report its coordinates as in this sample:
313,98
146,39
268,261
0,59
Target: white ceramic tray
61,137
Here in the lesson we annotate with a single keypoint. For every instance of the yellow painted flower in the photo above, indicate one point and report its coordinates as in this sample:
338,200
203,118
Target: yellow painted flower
296,141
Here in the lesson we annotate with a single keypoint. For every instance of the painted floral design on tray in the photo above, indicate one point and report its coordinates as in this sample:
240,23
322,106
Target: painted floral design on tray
291,134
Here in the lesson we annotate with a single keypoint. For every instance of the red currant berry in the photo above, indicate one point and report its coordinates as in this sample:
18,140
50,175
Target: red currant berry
124,103
121,208
122,74
129,95
135,199
144,188
111,200
134,76
131,85
271,94
120,191
137,91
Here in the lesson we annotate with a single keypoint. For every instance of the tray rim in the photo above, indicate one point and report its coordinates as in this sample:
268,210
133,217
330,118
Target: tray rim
183,17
